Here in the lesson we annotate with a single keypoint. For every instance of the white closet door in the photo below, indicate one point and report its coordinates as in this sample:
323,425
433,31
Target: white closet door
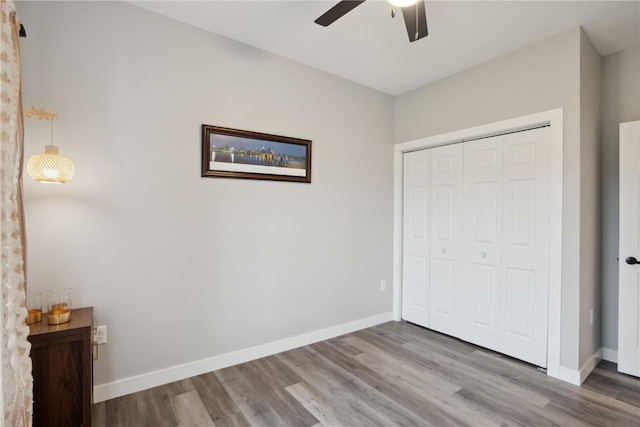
447,207
480,302
416,237
476,242
525,246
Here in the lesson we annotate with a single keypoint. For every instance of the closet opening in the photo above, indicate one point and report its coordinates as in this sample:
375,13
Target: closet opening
478,236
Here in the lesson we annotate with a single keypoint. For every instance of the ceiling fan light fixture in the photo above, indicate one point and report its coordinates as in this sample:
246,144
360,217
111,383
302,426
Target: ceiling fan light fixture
402,3
415,18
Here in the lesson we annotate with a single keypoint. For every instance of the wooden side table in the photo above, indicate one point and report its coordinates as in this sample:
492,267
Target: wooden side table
62,371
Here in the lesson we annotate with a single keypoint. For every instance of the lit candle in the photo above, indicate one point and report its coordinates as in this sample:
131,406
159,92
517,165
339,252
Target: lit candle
59,306
34,315
58,315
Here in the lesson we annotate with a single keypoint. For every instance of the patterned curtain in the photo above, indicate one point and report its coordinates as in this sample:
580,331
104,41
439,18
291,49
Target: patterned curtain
16,391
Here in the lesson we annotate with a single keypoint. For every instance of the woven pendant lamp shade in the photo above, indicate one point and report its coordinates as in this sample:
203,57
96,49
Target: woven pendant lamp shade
51,166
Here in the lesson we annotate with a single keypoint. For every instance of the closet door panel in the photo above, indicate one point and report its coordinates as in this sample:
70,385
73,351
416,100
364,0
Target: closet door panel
525,258
484,288
416,237
447,206
442,289
482,260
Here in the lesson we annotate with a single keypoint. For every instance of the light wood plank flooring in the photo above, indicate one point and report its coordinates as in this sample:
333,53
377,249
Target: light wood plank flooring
392,374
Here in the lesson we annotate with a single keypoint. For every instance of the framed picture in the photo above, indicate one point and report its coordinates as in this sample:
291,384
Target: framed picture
233,153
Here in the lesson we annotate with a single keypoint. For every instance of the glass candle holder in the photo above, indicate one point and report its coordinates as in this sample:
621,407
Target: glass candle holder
34,308
59,306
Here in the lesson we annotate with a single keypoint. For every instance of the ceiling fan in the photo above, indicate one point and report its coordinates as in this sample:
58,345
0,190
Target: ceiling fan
413,11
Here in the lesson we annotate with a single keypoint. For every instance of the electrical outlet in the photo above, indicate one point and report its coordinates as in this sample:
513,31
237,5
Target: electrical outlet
591,316
100,334
383,285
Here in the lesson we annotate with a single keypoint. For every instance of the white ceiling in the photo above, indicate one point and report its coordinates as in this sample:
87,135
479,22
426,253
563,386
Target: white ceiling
368,47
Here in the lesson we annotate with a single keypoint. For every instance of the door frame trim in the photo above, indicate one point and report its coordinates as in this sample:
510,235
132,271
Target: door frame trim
554,118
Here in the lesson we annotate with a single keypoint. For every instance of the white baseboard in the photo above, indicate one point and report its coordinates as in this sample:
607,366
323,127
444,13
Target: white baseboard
590,364
164,376
609,355
570,376
575,377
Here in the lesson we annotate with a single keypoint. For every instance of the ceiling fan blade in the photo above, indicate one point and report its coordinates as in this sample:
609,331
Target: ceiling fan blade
338,11
409,14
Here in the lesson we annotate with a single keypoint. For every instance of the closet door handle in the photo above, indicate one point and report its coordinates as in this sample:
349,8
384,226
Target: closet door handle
443,251
483,254
631,260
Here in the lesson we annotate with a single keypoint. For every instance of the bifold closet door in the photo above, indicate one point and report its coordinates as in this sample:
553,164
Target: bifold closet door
446,260
525,246
505,287
476,242
432,261
416,237
480,298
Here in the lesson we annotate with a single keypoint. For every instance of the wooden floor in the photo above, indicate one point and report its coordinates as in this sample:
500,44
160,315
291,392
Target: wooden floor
387,375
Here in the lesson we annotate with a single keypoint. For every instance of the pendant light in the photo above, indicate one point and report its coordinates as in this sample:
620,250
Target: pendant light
50,166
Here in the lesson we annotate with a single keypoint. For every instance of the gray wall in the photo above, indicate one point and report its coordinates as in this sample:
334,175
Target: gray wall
539,77
180,267
620,103
590,177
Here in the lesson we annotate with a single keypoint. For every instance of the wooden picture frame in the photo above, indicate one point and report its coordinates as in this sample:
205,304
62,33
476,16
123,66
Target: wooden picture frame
234,153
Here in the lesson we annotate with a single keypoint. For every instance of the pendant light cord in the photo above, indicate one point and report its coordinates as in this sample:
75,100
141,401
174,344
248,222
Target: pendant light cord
51,131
